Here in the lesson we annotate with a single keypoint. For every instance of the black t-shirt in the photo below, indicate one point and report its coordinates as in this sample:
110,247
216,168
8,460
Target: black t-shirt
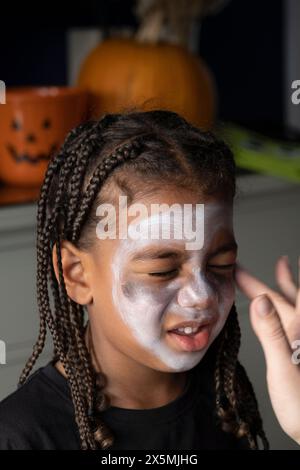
40,415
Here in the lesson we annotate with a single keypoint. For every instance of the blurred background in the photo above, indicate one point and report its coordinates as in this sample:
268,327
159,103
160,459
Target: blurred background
225,65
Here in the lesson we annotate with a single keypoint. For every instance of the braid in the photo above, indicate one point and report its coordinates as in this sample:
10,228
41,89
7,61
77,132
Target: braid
248,406
67,327
236,404
118,144
120,155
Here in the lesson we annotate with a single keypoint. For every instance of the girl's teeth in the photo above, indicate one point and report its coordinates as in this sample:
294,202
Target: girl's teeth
188,330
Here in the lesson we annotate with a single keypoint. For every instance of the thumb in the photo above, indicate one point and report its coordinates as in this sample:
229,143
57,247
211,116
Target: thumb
268,328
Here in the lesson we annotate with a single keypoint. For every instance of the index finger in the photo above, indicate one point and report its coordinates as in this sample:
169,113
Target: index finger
251,286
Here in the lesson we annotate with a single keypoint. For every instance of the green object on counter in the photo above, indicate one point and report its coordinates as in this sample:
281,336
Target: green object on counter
256,152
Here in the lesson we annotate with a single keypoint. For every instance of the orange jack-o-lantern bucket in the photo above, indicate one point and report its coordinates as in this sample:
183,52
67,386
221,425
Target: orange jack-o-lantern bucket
33,124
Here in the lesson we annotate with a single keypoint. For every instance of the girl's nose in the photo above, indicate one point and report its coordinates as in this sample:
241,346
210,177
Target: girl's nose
197,293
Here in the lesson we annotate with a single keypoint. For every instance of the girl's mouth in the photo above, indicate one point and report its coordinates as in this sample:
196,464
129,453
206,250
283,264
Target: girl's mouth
191,338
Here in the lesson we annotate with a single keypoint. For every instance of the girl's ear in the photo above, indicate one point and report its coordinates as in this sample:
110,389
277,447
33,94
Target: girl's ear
74,271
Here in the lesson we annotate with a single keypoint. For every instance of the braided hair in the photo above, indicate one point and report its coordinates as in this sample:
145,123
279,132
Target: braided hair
136,152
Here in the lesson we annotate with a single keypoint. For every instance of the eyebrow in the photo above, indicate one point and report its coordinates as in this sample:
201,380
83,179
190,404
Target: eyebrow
163,253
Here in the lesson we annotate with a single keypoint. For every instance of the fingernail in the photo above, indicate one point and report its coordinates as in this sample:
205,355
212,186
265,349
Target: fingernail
264,306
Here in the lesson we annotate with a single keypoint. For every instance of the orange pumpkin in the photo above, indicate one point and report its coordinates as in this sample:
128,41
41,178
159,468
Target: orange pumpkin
125,73
33,124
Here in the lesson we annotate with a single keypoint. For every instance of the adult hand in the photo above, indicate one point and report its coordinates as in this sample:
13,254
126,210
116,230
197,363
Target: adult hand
275,318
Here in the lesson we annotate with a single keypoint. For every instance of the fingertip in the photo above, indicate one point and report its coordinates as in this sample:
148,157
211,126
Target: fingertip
239,270
239,266
285,260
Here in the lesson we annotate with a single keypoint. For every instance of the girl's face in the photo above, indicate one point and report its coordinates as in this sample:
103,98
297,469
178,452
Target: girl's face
143,289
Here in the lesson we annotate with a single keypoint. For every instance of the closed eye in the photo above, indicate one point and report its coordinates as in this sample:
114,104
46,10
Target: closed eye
164,274
222,266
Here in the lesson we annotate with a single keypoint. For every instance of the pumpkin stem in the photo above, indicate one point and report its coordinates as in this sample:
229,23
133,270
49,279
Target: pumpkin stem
169,21
151,28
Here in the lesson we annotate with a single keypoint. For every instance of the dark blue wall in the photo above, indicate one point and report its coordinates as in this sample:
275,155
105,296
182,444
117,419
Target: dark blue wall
242,45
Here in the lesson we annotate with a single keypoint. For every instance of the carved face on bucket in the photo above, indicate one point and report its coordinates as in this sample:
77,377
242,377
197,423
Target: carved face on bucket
35,139
34,123
174,300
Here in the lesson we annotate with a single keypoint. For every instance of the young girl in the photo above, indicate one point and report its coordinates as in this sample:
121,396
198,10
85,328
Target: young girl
145,332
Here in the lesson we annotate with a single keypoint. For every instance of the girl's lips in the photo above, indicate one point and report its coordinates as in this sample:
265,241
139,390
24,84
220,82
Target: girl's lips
192,342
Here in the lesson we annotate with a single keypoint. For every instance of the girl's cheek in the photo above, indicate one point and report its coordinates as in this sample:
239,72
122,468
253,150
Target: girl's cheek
143,309
134,290
223,285
226,299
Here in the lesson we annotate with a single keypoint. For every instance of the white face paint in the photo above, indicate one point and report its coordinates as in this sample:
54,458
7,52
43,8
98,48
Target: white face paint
147,307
